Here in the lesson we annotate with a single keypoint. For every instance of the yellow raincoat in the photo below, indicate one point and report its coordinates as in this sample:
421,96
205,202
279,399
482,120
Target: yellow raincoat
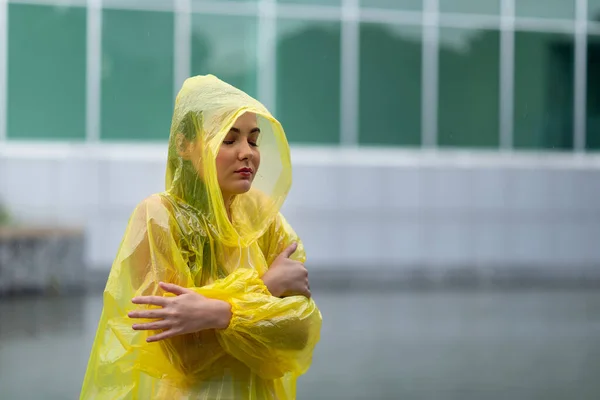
184,236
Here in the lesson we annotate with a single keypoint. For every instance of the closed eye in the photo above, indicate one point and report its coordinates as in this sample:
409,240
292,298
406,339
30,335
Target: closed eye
230,142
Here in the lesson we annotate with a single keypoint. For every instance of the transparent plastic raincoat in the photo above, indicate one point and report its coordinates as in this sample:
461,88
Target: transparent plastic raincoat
184,236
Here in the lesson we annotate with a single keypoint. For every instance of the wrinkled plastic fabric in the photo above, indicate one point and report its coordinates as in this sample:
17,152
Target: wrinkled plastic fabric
184,236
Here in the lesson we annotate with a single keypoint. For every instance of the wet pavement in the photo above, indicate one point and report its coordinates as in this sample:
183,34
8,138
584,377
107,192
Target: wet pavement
447,345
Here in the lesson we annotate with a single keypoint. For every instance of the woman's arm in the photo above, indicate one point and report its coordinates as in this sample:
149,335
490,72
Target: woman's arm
151,252
272,336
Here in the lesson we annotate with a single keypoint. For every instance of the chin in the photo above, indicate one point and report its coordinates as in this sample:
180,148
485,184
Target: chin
241,188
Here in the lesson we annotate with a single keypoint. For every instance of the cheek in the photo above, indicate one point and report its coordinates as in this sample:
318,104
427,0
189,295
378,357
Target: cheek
222,161
256,159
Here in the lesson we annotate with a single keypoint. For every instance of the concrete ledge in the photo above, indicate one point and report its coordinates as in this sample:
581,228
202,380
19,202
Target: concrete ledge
428,208
41,260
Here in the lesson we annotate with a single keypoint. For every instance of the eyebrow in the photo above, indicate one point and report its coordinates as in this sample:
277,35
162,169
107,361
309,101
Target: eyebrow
236,130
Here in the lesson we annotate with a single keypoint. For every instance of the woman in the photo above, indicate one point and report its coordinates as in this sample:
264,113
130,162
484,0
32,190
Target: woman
226,309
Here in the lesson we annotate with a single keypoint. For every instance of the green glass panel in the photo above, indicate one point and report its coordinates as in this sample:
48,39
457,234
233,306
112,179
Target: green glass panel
46,72
543,103
594,10
312,2
137,75
308,80
218,50
469,76
390,85
593,93
408,5
483,7
554,9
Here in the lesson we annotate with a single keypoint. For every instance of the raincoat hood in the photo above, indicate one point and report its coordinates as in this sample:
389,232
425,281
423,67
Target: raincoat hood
205,110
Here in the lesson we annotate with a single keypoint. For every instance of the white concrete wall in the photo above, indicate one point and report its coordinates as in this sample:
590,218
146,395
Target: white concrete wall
353,208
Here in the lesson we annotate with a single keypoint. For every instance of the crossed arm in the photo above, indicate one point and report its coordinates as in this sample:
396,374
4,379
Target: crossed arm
271,335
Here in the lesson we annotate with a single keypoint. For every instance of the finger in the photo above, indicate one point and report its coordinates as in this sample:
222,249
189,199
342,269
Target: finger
147,314
173,288
162,336
153,300
307,292
152,326
289,250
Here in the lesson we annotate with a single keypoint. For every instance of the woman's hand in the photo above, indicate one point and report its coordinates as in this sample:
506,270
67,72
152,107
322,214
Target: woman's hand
188,312
287,277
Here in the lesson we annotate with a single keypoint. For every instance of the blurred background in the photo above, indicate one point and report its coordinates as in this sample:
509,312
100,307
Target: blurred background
446,180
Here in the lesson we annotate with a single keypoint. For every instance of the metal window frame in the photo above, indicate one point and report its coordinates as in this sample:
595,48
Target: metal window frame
430,74
580,78
349,74
507,74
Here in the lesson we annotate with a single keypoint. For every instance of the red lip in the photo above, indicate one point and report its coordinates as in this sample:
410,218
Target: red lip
244,171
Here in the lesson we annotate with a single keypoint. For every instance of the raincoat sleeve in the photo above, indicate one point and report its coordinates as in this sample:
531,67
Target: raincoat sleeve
272,336
279,236
150,252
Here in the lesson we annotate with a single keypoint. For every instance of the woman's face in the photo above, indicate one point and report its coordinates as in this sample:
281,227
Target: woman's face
239,157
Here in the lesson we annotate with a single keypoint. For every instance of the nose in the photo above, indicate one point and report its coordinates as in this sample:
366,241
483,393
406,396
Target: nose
245,151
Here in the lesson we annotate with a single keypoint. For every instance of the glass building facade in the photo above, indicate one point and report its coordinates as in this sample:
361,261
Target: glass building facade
474,74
